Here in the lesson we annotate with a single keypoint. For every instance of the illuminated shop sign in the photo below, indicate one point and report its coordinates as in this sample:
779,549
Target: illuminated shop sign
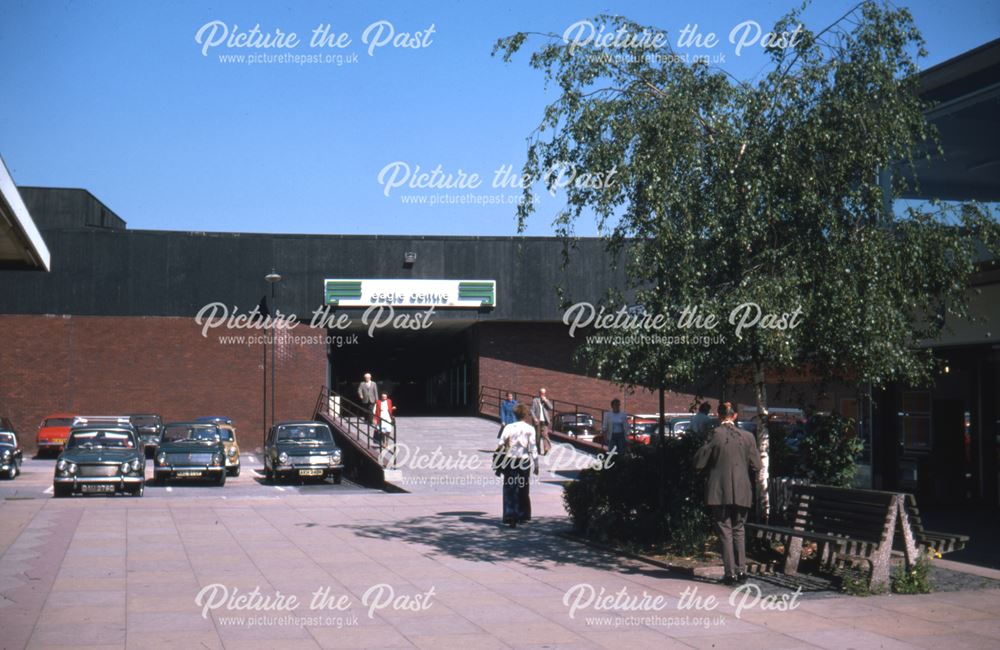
470,294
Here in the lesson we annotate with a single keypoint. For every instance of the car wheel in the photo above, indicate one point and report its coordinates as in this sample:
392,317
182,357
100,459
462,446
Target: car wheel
337,477
222,479
139,490
268,474
236,472
60,491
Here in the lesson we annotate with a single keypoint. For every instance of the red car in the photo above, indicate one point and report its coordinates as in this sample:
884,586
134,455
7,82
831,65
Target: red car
53,432
644,429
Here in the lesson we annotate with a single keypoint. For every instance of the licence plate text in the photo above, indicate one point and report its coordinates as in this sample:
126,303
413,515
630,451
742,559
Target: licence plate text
97,487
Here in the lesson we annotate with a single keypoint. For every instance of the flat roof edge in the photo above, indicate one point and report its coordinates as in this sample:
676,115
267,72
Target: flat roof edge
22,219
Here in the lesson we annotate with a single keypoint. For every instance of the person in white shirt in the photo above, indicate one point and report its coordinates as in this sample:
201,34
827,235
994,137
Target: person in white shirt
615,427
519,451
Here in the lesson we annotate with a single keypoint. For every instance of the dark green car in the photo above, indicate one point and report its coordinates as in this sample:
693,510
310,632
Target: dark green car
10,454
301,449
190,450
103,459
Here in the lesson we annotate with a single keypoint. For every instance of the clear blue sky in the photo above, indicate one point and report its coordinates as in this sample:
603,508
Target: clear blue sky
117,98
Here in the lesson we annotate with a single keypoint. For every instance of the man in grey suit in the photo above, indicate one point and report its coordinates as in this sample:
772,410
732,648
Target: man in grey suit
730,454
541,415
368,395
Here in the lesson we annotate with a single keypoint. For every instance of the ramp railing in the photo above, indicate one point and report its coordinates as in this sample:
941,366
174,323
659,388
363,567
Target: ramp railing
357,422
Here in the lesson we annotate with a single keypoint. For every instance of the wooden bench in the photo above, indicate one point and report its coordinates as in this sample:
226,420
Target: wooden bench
912,530
847,523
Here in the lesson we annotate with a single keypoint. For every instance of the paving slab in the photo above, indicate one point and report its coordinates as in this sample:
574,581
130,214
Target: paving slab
431,568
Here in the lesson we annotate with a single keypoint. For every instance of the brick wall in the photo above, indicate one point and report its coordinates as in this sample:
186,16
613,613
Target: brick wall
104,364
522,357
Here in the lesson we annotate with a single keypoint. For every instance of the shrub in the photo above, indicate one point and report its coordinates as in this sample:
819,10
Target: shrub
623,503
829,450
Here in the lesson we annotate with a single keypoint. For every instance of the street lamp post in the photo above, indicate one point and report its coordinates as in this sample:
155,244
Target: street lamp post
273,279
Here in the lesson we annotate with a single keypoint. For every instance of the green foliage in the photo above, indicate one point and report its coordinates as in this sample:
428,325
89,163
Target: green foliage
829,450
916,580
620,504
766,190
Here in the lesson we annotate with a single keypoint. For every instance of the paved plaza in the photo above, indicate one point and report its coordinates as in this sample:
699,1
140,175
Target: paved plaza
200,567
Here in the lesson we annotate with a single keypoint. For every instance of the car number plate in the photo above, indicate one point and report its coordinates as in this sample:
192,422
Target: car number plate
97,487
189,473
310,472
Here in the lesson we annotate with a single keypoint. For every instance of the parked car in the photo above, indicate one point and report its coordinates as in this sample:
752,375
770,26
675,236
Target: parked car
644,430
10,454
579,425
301,449
149,426
228,433
101,458
190,450
217,419
52,433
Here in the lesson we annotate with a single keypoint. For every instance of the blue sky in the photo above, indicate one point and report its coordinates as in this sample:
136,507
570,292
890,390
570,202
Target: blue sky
118,98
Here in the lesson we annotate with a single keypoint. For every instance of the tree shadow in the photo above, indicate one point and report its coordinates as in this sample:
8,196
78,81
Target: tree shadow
476,536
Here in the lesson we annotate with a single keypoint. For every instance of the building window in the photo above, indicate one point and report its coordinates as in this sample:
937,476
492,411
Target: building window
915,421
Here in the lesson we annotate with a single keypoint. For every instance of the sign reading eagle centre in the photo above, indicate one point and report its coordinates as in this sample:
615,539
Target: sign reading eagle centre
469,294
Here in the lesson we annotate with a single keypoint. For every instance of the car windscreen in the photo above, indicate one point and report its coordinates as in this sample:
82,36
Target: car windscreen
58,422
227,434
99,439
146,420
646,427
6,437
175,432
304,433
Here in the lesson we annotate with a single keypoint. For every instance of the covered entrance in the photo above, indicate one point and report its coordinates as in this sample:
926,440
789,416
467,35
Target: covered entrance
427,372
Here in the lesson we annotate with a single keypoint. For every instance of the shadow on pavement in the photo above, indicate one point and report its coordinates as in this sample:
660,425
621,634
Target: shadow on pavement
474,535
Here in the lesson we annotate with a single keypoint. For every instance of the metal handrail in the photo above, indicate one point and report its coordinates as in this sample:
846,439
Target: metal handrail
354,420
493,396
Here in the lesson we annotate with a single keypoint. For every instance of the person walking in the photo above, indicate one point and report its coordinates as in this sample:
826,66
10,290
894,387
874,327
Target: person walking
519,455
385,419
614,427
507,412
730,454
368,395
541,415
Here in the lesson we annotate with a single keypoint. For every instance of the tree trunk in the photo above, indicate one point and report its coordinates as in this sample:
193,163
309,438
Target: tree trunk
661,452
763,440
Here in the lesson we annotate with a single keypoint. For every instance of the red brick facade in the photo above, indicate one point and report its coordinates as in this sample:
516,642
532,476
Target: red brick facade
522,357
109,365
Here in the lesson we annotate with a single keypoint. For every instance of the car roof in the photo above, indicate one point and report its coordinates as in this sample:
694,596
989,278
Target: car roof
59,415
189,423
101,418
102,427
144,415
291,422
